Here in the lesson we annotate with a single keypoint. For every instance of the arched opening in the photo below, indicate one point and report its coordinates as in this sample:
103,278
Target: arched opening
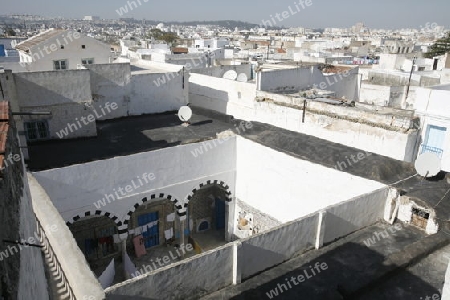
96,237
207,216
154,223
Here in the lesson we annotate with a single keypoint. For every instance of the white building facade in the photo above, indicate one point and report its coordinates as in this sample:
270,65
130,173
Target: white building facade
57,49
433,107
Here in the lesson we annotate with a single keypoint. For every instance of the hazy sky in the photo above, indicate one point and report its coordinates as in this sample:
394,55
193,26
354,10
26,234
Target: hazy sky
322,13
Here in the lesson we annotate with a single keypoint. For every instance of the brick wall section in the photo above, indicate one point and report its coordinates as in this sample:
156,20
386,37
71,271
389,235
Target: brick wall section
11,190
262,222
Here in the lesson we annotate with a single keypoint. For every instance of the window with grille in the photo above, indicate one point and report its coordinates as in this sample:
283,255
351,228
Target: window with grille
36,130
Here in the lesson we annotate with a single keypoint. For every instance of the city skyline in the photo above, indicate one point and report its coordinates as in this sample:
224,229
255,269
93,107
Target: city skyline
319,14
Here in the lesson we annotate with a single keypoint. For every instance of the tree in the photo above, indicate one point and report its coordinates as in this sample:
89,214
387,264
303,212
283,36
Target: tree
9,32
157,34
440,47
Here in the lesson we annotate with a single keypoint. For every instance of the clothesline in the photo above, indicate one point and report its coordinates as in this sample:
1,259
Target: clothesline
141,229
144,228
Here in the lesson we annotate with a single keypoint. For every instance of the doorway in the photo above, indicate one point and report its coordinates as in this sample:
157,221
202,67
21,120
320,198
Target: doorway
151,236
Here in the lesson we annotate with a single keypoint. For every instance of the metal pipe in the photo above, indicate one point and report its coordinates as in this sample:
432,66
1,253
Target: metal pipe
304,111
22,243
33,113
410,76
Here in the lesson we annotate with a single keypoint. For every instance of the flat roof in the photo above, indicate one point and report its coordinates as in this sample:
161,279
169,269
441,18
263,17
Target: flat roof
131,135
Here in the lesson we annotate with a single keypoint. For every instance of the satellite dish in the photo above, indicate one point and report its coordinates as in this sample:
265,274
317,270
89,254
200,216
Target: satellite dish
242,77
428,164
230,74
185,113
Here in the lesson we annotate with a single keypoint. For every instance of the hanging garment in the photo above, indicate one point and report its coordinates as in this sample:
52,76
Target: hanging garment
171,217
168,234
139,246
116,239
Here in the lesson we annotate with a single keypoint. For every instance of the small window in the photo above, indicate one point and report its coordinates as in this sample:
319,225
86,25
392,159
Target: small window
36,130
62,46
60,64
83,46
87,61
421,213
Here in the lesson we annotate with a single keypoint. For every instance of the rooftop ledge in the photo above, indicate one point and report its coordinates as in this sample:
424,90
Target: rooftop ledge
382,117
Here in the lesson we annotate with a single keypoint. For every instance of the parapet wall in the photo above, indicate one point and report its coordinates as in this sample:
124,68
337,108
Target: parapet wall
208,272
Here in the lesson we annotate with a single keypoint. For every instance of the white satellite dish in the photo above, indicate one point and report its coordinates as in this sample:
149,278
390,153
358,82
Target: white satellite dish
185,113
428,164
230,74
242,77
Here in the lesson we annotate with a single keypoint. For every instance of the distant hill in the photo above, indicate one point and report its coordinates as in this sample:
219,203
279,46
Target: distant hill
230,24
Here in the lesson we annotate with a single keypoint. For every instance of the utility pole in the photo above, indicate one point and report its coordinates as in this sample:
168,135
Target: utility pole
410,76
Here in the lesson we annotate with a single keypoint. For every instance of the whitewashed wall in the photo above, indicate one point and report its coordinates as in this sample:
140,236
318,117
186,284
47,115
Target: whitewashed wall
266,176
392,96
344,85
72,94
67,95
391,61
362,211
222,95
446,288
273,247
32,281
445,76
189,279
74,189
53,87
375,94
72,51
289,79
433,106
219,71
147,96
224,266
111,83
60,118
66,262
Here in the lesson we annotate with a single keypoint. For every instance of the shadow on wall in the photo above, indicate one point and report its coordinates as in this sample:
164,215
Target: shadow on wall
111,83
412,149
30,93
218,103
344,228
352,272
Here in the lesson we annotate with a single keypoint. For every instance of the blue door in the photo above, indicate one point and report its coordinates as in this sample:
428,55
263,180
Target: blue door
434,140
151,237
220,214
